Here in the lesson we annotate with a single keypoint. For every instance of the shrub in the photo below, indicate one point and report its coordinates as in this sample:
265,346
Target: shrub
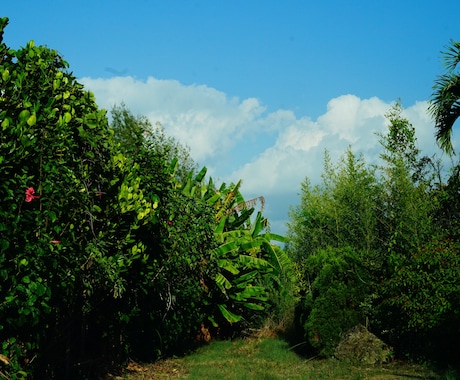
337,288
421,298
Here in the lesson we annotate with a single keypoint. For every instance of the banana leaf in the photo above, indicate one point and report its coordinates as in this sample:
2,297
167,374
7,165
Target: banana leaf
188,186
255,292
228,315
199,177
213,199
226,248
243,217
244,279
222,282
253,306
254,262
278,258
234,234
228,265
220,229
251,244
257,226
173,166
276,237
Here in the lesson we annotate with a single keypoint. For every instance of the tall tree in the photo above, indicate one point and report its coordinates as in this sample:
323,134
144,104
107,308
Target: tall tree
445,101
136,134
340,212
406,203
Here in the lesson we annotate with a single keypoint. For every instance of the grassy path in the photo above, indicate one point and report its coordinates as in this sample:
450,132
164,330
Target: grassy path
268,359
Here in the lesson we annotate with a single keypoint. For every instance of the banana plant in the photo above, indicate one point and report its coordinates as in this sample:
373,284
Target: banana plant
247,259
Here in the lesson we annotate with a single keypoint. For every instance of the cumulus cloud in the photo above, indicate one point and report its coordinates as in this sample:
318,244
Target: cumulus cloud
272,151
207,120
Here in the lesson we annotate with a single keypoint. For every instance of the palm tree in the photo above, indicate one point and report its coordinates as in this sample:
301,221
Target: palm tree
445,100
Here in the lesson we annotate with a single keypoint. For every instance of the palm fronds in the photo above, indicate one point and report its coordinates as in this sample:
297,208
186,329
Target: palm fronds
445,101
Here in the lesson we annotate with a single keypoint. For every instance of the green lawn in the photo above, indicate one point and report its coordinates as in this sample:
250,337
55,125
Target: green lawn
267,358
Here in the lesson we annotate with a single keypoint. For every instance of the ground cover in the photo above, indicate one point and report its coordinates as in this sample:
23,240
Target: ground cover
270,359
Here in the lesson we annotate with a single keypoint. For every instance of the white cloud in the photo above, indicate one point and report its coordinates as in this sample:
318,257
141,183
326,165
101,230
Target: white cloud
299,149
205,119
271,151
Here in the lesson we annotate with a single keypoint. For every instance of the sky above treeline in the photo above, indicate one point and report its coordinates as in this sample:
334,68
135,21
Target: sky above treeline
259,89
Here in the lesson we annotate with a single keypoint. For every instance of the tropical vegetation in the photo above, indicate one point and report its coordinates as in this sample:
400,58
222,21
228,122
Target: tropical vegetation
378,245
113,244
445,105
116,246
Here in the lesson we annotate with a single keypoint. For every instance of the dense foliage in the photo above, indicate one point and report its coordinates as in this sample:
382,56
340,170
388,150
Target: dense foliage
378,245
114,246
111,245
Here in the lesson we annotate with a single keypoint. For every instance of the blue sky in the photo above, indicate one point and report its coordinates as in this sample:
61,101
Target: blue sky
257,89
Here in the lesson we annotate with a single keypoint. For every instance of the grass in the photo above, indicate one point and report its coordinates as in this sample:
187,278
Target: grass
268,359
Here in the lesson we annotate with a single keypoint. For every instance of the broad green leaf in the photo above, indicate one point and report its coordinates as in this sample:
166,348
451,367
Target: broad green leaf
278,257
257,292
251,244
213,199
228,265
226,248
222,282
220,228
32,120
254,262
253,306
228,315
188,186
257,226
67,117
243,280
173,166
243,217
24,115
276,237
199,177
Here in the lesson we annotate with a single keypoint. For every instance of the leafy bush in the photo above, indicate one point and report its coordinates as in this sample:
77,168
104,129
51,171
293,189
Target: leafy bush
59,211
338,287
104,254
93,237
422,298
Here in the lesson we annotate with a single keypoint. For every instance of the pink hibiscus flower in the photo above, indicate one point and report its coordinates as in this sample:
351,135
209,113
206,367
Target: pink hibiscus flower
30,194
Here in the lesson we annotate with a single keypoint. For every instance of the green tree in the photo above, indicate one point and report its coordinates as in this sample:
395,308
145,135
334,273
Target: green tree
68,203
136,133
445,101
333,236
400,143
167,291
410,205
342,211
350,233
406,203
